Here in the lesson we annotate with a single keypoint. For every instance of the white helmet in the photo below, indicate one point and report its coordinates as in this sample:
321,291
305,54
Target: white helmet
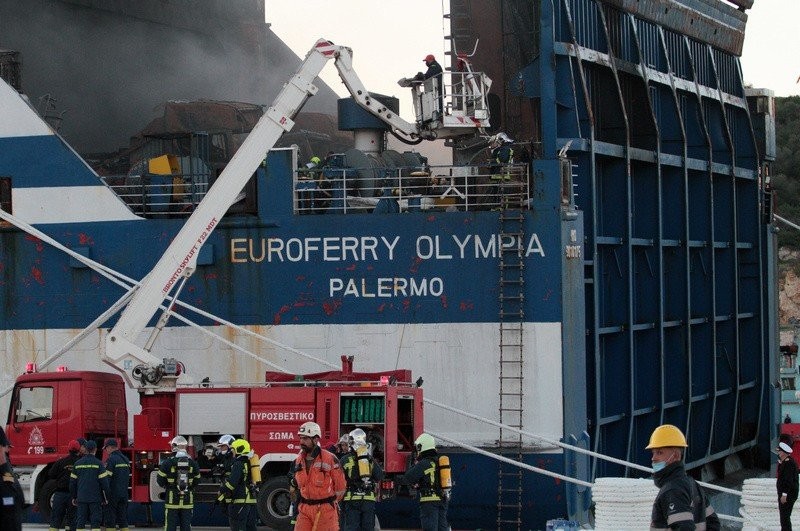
226,440
179,442
309,429
358,437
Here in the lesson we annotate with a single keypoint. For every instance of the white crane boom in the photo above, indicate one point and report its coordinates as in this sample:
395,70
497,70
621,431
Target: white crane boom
178,262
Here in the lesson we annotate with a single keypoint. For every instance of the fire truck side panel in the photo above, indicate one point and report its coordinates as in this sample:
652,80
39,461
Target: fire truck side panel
212,411
275,415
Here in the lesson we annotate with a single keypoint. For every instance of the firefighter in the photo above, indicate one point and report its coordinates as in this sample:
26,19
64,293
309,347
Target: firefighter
425,474
237,488
224,460
680,503
363,475
119,469
10,490
320,482
62,511
501,156
178,474
88,488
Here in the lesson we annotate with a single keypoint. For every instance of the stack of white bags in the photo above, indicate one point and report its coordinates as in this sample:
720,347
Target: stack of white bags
760,506
624,504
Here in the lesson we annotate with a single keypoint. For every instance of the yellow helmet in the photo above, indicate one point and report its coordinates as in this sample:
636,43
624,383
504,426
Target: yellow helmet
241,447
667,436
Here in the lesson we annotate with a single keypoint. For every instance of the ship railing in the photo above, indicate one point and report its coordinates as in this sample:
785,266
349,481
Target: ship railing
160,196
395,190
364,385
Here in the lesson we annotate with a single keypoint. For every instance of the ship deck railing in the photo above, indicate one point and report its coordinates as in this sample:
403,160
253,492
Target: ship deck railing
348,190
410,189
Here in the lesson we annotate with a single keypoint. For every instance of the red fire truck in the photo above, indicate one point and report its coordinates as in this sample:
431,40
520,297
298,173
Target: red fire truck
48,409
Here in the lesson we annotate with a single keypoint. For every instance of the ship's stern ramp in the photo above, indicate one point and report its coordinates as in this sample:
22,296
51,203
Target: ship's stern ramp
649,99
43,177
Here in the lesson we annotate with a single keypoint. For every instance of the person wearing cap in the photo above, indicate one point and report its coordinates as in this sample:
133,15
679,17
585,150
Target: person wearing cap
119,468
680,502
434,71
88,488
62,511
11,494
787,484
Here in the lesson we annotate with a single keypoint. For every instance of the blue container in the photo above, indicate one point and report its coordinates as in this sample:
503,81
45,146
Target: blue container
562,525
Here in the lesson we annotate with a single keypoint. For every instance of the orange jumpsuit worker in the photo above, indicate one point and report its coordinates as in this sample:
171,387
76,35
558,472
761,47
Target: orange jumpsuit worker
320,482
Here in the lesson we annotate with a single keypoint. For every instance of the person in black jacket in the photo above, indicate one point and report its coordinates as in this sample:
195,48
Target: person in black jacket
178,474
787,485
434,72
63,510
10,491
425,474
88,488
680,504
119,470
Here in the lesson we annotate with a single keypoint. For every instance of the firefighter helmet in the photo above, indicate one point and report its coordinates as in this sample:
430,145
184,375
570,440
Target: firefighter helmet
667,436
241,447
358,438
226,440
179,442
309,429
424,442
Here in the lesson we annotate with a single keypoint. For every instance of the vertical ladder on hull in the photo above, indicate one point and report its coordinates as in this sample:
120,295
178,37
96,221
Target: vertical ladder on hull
461,35
511,298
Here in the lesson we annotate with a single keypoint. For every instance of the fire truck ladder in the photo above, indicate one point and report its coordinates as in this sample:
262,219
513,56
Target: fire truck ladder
511,290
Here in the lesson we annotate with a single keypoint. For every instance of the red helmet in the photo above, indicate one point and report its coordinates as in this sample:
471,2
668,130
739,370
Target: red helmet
429,58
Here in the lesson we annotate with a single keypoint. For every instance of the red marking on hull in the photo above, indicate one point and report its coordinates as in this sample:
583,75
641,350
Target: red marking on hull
37,241
443,300
85,239
36,273
332,306
466,306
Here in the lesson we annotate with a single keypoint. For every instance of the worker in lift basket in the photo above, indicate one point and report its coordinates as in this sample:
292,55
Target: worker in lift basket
319,480
178,474
680,503
433,500
88,488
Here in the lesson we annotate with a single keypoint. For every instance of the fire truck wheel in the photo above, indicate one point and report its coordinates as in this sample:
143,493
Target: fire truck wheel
274,503
45,499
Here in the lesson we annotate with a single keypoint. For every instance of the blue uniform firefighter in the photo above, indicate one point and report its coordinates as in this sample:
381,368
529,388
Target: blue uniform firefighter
119,468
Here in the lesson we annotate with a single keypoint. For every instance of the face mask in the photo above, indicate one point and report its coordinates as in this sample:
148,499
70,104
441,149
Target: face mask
658,466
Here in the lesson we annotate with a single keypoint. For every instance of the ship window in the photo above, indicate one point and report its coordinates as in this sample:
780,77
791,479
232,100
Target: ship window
34,403
5,194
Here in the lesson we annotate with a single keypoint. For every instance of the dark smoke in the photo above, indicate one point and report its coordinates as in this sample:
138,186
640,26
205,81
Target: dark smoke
110,64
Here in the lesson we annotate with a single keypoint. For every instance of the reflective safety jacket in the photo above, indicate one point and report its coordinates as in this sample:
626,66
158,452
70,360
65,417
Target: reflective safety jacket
321,480
357,488
236,488
88,482
178,475
425,475
119,469
680,503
